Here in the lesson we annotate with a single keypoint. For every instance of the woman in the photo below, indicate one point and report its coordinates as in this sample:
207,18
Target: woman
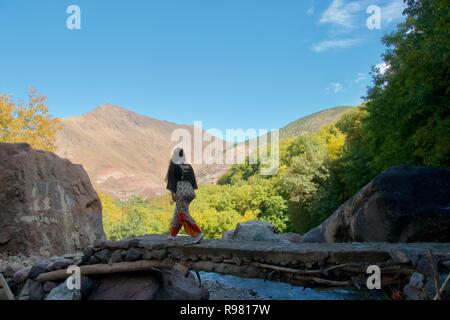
181,182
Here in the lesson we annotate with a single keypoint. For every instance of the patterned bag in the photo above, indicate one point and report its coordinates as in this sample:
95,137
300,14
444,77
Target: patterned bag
185,190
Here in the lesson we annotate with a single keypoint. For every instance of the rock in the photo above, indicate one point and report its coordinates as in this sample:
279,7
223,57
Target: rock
61,292
255,230
133,254
112,245
47,204
228,235
103,256
176,286
424,266
10,270
21,275
59,263
87,285
403,204
116,256
32,290
35,271
3,295
413,293
314,235
291,237
416,280
93,260
446,264
88,252
49,286
133,286
158,254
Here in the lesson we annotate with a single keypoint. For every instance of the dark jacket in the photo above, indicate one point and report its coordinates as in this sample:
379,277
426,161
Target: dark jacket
180,172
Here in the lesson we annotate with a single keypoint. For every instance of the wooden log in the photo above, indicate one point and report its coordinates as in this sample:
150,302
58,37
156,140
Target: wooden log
442,289
435,274
6,289
326,282
298,271
98,269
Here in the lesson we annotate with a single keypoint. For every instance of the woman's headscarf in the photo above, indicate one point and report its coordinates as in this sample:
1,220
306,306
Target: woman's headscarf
178,156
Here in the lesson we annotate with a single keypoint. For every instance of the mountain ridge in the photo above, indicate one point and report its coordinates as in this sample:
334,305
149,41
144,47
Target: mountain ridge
127,154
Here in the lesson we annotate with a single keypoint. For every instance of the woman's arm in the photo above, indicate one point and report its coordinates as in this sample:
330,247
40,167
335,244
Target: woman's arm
192,179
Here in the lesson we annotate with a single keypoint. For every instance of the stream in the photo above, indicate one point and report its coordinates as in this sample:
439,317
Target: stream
225,287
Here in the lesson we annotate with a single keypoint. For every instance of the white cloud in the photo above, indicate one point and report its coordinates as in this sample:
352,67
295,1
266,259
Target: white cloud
335,88
335,44
392,11
382,67
360,77
311,9
340,14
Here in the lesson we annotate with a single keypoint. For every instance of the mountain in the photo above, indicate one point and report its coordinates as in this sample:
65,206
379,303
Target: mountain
127,154
313,122
124,153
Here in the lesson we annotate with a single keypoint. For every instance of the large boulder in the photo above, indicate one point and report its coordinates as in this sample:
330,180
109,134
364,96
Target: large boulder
253,230
403,204
47,204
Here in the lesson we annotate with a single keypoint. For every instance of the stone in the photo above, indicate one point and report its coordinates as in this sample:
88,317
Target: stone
217,259
133,254
228,235
291,237
413,293
93,260
3,295
132,286
59,263
32,290
255,230
403,204
416,280
49,286
103,256
88,252
424,266
175,286
446,264
35,271
113,245
314,235
61,292
47,204
87,285
21,275
10,270
400,256
116,256
158,254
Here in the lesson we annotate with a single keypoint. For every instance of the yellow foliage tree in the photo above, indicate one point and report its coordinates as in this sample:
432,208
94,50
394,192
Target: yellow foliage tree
28,123
334,139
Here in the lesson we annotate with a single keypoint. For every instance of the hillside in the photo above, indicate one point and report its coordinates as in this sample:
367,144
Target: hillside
313,122
127,154
124,153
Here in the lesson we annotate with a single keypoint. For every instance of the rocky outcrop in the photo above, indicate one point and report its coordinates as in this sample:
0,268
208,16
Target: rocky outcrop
257,230
403,204
253,230
47,204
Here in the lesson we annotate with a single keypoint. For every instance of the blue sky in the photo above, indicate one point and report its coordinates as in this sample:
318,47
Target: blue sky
229,63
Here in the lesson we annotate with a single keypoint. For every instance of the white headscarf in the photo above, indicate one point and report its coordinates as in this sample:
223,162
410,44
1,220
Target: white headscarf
177,158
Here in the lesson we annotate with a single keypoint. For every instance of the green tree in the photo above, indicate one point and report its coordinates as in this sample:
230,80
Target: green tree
408,114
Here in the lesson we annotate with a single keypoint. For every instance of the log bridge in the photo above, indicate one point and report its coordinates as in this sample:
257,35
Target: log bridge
341,265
